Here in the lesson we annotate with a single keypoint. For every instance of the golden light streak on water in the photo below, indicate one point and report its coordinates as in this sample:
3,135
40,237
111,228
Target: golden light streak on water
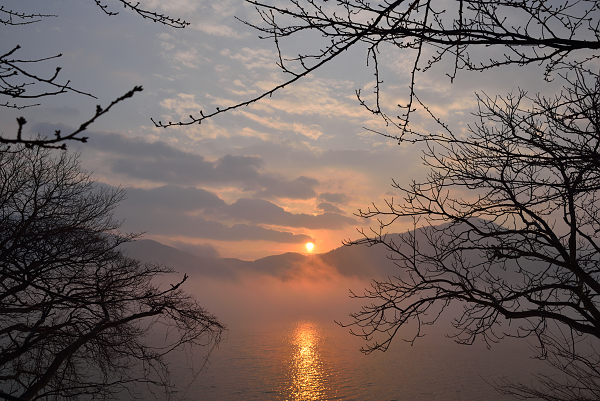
307,373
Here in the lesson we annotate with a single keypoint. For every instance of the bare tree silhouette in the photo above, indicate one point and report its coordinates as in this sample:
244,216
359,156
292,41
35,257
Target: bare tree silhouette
22,86
75,311
511,231
556,34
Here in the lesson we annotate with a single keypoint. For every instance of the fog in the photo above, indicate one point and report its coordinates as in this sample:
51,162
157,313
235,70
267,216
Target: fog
256,299
266,304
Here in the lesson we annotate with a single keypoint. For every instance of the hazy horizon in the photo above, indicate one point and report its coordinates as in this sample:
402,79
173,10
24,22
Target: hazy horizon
233,203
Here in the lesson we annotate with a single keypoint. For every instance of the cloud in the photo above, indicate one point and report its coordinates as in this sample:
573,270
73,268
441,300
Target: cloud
275,187
265,212
317,97
64,111
218,30
328,207
189,58
188,168
163,163
312,131
256,58
184,104
175,6
171,210
334,197
172,197
173,223
160,162
177,50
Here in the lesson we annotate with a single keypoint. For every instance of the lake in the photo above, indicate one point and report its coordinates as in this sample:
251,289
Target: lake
318,360
283,344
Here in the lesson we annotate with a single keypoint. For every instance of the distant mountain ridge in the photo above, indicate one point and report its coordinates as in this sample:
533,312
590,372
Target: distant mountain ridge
351,261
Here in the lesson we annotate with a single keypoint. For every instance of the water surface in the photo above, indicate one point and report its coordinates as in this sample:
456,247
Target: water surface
314,360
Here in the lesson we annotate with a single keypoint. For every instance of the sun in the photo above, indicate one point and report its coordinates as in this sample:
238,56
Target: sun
309,246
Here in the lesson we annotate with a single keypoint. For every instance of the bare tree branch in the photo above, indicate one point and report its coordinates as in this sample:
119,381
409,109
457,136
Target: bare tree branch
75,311
529,32
59,137
19,83
507,224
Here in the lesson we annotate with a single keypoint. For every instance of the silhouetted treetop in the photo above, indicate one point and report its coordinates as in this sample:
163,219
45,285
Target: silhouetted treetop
507,226
555,34
22,86
78,317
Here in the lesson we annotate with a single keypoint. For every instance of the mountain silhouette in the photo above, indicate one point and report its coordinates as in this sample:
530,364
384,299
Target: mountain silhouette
353,261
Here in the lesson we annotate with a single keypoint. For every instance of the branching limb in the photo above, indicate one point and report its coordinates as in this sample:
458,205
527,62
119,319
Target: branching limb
59,137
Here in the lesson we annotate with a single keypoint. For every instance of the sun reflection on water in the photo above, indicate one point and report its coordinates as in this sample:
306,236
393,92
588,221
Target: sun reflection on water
307,373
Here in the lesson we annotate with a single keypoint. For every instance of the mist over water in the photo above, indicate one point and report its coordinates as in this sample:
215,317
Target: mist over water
283,344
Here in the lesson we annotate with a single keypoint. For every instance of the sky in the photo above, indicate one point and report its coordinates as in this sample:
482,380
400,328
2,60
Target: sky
261,180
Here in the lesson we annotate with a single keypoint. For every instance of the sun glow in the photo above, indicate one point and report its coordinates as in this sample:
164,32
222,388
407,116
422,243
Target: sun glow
309,246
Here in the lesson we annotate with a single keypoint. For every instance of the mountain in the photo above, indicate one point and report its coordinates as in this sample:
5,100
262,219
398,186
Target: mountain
150,251
357,261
